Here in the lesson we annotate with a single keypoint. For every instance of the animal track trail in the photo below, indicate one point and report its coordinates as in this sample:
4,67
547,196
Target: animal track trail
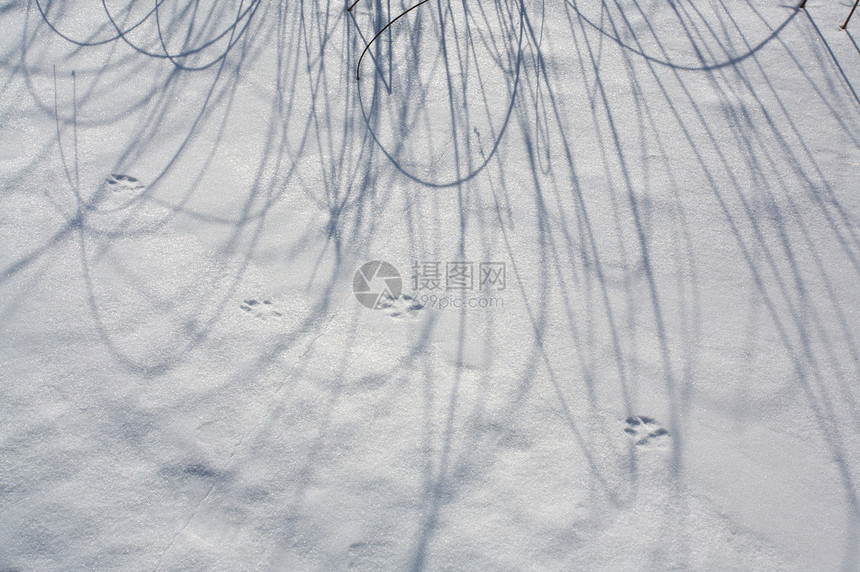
262,309
118,182
645,431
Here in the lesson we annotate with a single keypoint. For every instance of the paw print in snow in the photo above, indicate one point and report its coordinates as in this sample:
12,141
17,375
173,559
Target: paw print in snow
403,307
645,431
118,183
262,309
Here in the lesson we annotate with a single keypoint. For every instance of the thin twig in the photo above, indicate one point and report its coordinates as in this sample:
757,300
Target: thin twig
379,33
854,7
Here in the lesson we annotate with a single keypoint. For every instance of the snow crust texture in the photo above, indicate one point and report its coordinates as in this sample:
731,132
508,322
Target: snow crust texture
618,326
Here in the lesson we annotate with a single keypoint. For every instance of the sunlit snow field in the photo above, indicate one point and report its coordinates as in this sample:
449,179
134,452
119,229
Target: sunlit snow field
647,356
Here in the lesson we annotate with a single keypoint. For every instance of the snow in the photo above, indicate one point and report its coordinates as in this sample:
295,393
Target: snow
669,378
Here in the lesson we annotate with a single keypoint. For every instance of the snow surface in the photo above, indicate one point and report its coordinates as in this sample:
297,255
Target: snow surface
669,379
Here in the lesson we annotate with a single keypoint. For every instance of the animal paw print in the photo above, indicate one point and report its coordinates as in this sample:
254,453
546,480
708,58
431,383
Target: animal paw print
645,431
263,309
117,182
403,307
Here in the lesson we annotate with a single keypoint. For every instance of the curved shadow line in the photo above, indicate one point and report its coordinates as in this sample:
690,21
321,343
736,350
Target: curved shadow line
496,143
728,63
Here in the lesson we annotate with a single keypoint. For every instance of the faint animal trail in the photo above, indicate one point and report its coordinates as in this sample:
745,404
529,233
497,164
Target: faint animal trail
263,309
368,555
645,431
503,437
117,182
369,383
200,470
403,307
